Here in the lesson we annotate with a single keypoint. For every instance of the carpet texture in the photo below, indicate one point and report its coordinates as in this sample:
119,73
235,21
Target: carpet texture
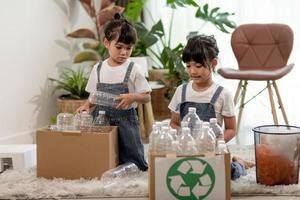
25,184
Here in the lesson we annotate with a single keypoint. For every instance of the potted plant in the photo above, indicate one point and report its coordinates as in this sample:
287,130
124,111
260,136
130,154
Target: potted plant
72,83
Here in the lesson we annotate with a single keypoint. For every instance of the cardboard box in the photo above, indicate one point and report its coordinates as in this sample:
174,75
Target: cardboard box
189,177
73,155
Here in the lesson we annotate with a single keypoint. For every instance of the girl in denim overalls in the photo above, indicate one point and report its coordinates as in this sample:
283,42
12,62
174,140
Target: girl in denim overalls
119,76
210,99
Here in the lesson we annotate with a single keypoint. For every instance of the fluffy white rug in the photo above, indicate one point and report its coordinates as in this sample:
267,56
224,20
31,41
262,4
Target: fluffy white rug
25,184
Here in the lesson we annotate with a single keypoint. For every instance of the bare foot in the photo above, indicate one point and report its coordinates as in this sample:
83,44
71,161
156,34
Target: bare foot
246,164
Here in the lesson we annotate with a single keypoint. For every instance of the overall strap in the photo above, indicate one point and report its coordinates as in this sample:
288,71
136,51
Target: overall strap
127,75
183,92
216,95
98,71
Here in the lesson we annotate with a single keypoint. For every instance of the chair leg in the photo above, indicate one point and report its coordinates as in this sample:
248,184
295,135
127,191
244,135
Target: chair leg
237,93
243,95
272,103
280,103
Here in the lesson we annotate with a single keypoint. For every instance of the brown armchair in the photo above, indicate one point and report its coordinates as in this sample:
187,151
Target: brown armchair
262,52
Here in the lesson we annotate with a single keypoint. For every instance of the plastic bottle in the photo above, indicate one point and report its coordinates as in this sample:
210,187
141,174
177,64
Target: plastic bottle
191,117
216,128
83,121
101,119
221,147
104,99
205,142
65,121
164,142
173,133
187,145
126,170
197,129
183,124
155,133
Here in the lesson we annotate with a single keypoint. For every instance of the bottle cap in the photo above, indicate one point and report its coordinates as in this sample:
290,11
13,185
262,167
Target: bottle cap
192,109
213,120
102,112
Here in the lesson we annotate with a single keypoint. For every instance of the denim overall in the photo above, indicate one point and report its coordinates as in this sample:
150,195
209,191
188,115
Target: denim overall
131,148
206,111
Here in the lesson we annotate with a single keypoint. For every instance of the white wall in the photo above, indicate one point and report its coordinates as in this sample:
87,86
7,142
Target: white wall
29,54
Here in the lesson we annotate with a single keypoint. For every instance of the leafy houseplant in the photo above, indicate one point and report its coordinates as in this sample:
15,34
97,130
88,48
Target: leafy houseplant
169,57
73,84
94,49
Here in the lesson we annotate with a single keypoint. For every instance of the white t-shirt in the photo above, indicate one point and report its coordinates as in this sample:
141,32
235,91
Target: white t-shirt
137,83
224,105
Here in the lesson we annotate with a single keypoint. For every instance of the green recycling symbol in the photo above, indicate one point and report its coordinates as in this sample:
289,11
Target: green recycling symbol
190,178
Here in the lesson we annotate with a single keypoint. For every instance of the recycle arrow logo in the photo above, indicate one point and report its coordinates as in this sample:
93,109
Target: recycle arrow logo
190,178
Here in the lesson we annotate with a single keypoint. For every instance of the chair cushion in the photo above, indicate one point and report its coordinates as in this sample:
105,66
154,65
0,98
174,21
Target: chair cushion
255,75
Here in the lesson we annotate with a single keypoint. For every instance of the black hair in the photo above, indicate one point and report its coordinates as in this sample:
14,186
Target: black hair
120,29
201,49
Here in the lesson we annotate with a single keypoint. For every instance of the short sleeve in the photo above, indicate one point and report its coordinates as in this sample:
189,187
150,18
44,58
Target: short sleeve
92,82
176,100
228,105
140,83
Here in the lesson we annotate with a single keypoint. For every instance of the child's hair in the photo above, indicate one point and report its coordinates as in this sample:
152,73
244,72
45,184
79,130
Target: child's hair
201,49
121,30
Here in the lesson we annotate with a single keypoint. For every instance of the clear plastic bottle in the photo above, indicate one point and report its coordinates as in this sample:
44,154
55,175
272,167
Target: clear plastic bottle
164,142
165,123
127,170
173,133
187,145
221,147
154,135
104,99
205,142
183,124
216,128
83,121
65,121
101,119
197,129
191,117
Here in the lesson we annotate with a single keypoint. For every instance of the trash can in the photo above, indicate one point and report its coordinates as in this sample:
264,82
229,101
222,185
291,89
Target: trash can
277,154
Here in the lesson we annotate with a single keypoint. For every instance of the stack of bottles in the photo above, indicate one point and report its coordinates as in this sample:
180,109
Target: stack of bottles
194,137
82,121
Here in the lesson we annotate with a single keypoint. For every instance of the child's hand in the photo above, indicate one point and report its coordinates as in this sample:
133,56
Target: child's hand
83,108
125,101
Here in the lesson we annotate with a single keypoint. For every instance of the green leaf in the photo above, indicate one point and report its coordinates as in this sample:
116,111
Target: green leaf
86,56
158,29
181,3
72,82
218,19
134,9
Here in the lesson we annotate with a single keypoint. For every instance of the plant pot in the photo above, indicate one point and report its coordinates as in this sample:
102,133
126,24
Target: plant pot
69,105
158,96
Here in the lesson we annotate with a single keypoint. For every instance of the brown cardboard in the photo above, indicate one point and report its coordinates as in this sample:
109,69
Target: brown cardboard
151,173
73,155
